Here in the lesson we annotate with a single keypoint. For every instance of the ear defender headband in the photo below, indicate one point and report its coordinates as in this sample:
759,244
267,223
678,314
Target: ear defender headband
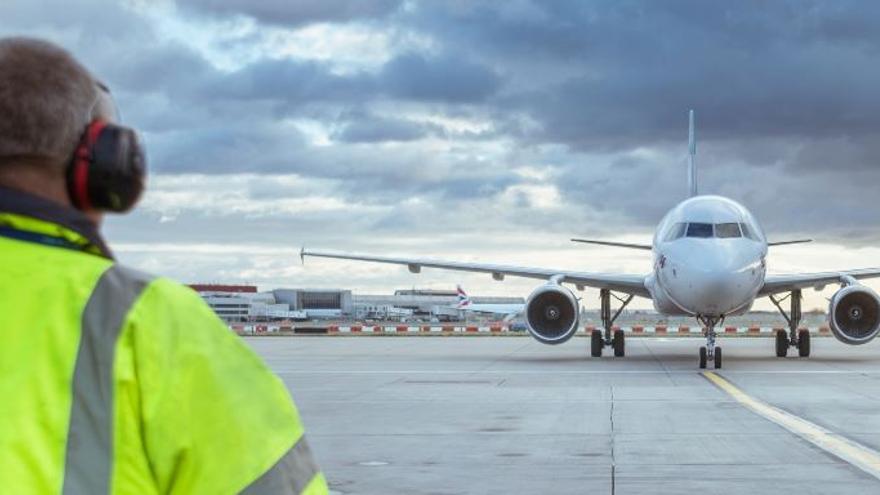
108,168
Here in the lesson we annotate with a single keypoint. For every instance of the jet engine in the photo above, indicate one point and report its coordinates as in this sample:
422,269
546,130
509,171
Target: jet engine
854,314
552,312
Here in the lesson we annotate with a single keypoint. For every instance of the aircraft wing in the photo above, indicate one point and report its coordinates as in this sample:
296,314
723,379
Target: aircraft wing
630,284
782,283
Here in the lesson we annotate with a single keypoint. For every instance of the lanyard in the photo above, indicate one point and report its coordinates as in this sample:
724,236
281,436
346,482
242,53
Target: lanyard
44,239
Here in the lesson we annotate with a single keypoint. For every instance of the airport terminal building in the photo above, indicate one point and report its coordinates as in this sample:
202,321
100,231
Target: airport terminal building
245,303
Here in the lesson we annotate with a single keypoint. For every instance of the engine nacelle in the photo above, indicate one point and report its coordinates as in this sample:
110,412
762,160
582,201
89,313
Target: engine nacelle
552,313
854,315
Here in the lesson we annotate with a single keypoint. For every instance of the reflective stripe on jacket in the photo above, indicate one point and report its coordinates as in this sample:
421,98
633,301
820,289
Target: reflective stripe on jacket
114,381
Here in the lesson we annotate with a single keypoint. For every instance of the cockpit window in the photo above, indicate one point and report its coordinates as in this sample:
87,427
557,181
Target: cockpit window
747,232
699,230
676,231
727,230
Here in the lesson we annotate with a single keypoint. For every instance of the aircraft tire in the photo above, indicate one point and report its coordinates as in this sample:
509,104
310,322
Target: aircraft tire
703,358
618,342
803,343
781,344
596,343
717,358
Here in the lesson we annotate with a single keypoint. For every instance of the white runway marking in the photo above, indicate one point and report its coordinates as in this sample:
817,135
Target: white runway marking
865,458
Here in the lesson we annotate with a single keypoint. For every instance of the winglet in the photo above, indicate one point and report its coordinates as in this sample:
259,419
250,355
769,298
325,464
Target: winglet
302,255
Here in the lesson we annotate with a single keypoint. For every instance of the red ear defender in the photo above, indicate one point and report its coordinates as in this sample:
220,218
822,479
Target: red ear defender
108,169
78,172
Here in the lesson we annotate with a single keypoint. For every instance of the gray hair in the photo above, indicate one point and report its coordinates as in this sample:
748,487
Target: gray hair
46,101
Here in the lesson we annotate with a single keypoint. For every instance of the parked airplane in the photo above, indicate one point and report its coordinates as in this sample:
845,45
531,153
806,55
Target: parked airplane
509,311
709,261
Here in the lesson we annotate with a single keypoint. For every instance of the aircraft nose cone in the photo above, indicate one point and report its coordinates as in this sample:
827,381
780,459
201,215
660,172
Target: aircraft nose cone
713,285
712,290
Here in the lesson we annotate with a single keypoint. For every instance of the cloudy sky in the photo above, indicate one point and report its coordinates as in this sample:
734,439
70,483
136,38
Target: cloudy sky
477,130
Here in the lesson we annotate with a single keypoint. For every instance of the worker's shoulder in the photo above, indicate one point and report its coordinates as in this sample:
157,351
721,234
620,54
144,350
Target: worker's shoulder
165,291
161,293
128,276
164,305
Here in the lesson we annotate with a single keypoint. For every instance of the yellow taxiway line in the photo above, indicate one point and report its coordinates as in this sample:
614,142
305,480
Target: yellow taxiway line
866,459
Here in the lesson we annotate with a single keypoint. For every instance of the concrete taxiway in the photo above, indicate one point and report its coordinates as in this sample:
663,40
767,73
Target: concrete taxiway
398,415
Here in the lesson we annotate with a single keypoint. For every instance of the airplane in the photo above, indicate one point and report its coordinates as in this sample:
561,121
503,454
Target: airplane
709,261
510,311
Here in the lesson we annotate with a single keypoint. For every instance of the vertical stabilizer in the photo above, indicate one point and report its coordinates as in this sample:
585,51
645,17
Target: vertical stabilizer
463,299
692,153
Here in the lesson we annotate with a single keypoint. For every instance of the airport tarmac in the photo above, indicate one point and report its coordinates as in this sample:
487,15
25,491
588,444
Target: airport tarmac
397,415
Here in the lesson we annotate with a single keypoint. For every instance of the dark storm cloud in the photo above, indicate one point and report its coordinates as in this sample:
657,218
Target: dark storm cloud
627,70
372,129
90,21
850,153
223,149
750,69
785,92
364,174
407,77
166,68
287,13
288,81
448,78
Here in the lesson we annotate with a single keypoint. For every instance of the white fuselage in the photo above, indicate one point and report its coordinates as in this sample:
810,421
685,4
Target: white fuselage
497,309
709,259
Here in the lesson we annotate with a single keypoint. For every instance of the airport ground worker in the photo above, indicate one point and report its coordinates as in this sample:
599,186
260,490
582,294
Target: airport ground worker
111,380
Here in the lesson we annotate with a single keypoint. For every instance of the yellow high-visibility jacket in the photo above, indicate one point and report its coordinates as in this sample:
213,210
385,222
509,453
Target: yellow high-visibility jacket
114,381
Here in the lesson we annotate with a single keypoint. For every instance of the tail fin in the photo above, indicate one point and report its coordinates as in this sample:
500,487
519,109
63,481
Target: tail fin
463,299
692,153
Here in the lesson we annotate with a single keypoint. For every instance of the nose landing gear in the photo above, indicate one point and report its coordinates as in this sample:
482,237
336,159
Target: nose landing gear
704,355
710,352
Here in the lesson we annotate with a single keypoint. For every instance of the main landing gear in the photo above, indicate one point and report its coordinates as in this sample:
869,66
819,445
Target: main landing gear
798,338
710,352
612,338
